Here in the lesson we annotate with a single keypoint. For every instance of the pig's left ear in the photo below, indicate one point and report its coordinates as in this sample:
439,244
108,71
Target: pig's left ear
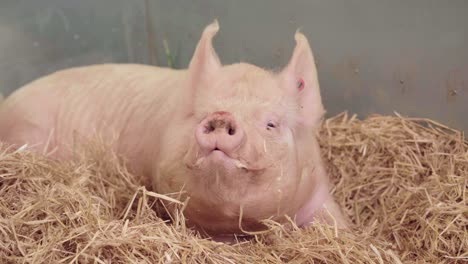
205,61
300,79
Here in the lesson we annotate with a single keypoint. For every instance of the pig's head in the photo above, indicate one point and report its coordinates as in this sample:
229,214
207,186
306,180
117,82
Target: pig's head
245,147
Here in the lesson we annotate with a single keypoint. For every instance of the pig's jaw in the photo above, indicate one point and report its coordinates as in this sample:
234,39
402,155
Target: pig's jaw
307,213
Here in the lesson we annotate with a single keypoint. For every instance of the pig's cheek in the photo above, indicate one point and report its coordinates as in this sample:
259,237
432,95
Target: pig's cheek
190,154
289,145
289,138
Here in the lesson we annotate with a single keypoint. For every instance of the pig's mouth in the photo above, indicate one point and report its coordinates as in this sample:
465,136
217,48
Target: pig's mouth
217,156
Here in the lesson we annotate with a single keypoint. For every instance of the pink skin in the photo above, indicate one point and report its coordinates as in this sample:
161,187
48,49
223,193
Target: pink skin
236,139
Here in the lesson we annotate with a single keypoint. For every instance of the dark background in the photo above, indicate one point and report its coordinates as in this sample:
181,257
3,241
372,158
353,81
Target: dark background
373,56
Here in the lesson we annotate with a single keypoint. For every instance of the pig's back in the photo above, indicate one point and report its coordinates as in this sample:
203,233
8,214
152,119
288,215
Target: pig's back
106,99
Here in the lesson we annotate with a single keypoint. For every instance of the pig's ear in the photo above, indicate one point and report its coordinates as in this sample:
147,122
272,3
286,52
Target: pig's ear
300,79
205,62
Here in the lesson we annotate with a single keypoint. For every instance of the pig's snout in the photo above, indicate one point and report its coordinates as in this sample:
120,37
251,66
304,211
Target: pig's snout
219,131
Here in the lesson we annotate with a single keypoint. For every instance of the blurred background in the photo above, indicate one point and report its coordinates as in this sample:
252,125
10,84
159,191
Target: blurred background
373,56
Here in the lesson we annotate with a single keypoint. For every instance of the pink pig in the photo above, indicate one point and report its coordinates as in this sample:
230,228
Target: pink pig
239,140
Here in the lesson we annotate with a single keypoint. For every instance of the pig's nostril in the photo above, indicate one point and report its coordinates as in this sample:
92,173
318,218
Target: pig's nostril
231,131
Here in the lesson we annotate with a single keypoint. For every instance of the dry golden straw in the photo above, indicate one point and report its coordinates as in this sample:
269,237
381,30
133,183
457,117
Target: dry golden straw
403,183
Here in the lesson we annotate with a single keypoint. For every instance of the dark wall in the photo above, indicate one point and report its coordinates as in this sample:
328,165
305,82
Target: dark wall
373,56
38,37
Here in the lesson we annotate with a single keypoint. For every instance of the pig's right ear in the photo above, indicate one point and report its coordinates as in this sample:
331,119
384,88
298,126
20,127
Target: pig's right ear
205,63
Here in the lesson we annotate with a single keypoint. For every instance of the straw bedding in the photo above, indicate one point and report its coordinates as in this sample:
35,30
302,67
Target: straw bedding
402,182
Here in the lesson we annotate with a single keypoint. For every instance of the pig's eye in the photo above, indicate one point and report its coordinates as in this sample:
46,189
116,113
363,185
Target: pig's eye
270,126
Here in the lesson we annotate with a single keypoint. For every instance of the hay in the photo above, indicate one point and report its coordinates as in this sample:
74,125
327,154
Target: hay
403,182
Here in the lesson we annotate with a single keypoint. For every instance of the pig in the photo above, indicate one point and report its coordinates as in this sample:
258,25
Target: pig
238,140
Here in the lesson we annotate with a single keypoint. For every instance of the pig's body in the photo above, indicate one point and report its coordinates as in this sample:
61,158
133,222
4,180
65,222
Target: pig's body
237,139
126,105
